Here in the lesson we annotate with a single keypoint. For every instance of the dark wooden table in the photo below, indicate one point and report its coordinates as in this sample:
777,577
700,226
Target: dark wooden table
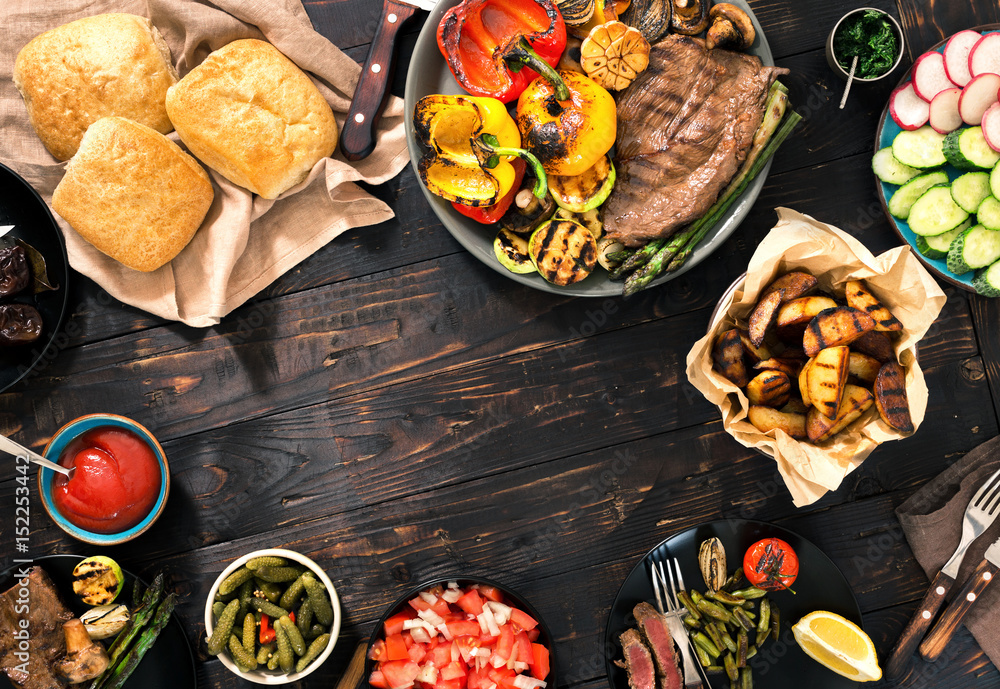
397,411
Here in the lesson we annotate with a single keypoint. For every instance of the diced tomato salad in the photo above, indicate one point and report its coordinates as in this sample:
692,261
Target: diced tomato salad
459,638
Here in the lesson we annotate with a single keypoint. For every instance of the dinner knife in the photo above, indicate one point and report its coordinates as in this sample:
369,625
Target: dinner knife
357,140
951,618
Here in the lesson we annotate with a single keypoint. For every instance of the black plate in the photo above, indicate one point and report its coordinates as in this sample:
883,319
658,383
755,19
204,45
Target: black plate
169,664
544,636
22,207
780,664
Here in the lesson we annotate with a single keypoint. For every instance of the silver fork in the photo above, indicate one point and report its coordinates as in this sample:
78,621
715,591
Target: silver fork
670,607
979,515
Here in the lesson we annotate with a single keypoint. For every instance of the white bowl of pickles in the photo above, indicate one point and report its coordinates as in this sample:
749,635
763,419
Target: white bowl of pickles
272,616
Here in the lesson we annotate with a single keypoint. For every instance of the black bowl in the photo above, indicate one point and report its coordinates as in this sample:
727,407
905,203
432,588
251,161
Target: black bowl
544,637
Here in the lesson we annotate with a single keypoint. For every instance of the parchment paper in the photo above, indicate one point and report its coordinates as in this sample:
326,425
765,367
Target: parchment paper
897,278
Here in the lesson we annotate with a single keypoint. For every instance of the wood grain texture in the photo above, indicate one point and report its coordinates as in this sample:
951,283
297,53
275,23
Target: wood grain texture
944,629
926,23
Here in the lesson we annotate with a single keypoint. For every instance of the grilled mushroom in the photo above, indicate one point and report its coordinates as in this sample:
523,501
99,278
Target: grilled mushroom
730,28
84,659
690,16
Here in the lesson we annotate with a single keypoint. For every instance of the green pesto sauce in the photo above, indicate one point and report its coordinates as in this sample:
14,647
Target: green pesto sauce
871,37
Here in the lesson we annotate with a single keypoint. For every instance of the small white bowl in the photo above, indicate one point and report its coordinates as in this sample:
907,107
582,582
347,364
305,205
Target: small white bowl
266,676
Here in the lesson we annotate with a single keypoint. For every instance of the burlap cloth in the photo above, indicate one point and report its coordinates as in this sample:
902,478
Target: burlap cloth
245,242
932,521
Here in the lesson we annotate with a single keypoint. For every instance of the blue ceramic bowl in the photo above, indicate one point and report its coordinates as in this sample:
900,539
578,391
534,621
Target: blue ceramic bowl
75,429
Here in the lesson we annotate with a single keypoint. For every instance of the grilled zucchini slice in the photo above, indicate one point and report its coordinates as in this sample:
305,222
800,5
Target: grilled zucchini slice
586,191
564,252
512,251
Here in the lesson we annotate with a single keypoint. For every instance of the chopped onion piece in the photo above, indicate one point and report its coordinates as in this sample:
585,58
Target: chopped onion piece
501,612
451,595
513,657
455,655
520,666
432,617
497,662
453,584
482,624
526,682
491,622
420,635
428,674
446,633
429,597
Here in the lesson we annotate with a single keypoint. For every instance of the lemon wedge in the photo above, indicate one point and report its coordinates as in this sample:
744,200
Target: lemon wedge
839,644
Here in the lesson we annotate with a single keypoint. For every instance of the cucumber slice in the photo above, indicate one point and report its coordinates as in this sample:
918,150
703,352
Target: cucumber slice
975,248
936,212
937,246
967,149
920,148
901,202
987,281
989,213
970,189
995,181
891,171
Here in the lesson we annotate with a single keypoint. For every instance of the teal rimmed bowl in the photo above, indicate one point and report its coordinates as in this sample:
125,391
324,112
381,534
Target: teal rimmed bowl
74,429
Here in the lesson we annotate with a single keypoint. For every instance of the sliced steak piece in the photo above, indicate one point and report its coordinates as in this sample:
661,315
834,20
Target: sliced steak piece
685,126
657,636
638,662
38,602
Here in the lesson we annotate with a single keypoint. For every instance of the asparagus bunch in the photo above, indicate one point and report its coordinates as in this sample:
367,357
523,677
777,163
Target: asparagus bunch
660,256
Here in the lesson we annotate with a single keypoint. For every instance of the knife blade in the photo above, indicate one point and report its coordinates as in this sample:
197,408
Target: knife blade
951,618
357,139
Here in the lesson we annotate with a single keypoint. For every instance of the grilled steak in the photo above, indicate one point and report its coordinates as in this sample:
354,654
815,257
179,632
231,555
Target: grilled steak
39,603
684,127
657,636
638,662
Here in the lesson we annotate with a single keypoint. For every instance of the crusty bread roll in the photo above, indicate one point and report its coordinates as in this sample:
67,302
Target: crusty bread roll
109,64
133,193
254,117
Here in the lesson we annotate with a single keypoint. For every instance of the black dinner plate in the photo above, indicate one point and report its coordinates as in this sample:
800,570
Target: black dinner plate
780,664
22,207
169,664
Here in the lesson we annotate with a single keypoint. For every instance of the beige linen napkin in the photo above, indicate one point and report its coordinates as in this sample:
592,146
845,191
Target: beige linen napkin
246,242
799,242
932,521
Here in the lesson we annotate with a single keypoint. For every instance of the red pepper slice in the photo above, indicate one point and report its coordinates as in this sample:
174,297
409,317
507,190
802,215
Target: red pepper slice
267,632
491,214
482,42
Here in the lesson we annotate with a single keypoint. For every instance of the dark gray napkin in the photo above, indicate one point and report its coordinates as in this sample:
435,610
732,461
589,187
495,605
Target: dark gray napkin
932,521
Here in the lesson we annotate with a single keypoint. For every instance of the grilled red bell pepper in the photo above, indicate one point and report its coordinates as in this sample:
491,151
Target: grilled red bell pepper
482,42
491,214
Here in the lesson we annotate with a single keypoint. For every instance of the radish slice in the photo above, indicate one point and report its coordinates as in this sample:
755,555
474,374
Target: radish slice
956,56
908,109
977,96
944,115
984,58
991,127
929,78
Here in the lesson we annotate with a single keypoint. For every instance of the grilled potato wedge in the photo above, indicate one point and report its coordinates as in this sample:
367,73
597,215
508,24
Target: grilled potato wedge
863,367
827,378
856,402
790,367
727,355
890,397
792,285
763,315
767,419
795,406
769,389
840,325
876,345
753,353
861,298
804,384
803,310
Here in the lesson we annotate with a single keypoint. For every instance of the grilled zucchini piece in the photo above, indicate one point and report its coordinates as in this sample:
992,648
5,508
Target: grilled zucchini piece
512,251
583,192
564,252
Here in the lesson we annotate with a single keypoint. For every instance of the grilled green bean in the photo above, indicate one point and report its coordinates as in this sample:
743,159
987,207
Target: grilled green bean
742,646
313,652
234,580
691,622
223,628
321,606
775,622
741,618
688,603
713,633
751,593
746,678
706,644
240,654
727,640
714,610
765,615
703,656
732,671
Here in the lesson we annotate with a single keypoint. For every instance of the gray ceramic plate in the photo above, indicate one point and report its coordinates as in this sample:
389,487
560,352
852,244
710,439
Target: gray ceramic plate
429,74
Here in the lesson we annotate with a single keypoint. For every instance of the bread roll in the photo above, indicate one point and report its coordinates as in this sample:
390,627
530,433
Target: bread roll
133,193
109,64
254,117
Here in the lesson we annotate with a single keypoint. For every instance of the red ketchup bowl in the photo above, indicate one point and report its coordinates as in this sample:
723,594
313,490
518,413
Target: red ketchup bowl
120,484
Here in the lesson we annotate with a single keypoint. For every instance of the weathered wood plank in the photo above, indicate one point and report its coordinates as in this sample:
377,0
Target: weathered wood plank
925,23
986,320
791,28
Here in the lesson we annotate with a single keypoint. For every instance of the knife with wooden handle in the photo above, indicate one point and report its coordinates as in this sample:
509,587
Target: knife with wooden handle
357,139
951,618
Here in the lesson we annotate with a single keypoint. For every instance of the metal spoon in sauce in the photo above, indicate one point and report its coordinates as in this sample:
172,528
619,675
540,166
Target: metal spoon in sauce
18,450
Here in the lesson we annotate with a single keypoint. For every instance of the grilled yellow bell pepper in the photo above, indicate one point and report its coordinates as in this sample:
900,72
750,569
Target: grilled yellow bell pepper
473,141
568,121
